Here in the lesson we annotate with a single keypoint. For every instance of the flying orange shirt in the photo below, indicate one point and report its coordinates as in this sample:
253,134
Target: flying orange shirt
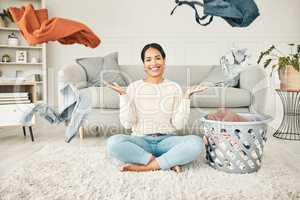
37,28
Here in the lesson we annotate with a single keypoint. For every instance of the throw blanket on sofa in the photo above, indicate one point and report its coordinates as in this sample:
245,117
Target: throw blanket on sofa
37,28
75,110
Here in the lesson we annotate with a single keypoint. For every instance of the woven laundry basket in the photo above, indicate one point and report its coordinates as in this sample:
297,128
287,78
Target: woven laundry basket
236,147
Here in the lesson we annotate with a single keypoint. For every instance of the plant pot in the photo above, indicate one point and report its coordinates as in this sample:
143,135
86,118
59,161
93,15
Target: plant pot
13,42
2,23
289,79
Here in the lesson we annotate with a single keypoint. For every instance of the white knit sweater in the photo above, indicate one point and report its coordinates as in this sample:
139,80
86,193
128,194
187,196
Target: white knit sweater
153,108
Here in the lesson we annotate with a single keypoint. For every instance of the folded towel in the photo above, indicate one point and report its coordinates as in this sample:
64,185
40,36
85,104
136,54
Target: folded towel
37,28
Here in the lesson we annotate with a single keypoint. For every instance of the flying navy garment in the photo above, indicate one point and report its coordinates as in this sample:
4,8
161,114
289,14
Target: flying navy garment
238,13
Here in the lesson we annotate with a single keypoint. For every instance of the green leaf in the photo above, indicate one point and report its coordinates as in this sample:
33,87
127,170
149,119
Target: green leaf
280,60
295,64
8,14
260,57
265,53
267,62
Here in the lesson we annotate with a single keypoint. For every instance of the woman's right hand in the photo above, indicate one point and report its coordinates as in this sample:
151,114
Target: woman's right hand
116,88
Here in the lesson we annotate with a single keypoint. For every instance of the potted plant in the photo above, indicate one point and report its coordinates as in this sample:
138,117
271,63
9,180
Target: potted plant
5,17
288,66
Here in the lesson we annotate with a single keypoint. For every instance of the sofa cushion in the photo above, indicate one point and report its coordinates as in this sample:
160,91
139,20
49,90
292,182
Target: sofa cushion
102,68
103,97
221,97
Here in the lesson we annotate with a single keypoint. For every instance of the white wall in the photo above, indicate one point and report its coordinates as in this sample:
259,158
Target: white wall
126,26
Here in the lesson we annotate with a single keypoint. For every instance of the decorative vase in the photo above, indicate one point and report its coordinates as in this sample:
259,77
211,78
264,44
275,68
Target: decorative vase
289,79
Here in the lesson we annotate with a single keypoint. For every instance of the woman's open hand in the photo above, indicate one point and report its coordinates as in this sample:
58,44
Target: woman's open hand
194,89
116,87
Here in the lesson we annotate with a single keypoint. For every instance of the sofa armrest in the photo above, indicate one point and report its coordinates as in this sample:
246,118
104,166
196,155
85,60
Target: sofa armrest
254,79
71,74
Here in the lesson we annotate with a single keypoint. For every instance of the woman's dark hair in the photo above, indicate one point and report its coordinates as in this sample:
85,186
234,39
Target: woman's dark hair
154,46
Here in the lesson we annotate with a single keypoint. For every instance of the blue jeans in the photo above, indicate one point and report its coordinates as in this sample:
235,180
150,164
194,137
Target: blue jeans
169,150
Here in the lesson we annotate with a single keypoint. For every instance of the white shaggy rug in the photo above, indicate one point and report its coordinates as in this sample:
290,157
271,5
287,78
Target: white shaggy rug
83,171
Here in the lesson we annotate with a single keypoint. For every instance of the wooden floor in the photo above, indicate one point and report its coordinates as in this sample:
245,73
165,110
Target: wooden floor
14,147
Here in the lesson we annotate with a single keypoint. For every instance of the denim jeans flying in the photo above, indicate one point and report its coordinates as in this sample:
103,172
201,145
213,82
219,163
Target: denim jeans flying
169,150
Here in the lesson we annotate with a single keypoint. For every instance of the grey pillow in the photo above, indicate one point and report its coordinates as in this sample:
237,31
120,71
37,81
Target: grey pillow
217,78
102,68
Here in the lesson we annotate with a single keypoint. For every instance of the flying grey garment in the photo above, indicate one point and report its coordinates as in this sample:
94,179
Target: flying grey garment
76,108
238,13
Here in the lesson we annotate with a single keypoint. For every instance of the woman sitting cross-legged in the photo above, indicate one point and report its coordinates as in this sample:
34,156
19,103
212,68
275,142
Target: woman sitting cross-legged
154,108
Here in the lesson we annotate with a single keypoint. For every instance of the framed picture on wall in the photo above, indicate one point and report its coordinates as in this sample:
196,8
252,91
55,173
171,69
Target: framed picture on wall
21,56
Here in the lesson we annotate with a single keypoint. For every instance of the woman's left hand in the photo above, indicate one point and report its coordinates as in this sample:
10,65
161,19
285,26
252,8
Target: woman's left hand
193,89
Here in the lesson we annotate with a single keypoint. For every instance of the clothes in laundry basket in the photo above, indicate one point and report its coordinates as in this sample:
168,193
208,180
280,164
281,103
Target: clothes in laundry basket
224,114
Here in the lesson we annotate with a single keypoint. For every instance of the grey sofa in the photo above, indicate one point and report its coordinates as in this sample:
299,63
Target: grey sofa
103,119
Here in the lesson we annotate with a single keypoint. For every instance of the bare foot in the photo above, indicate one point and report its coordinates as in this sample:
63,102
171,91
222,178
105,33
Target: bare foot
151,166
177,169
131,167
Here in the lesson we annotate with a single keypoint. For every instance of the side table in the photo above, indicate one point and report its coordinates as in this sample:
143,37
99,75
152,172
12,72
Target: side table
289,128
16,98
11,115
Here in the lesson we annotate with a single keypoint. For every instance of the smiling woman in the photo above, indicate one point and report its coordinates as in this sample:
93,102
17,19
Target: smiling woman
153,57
154,108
